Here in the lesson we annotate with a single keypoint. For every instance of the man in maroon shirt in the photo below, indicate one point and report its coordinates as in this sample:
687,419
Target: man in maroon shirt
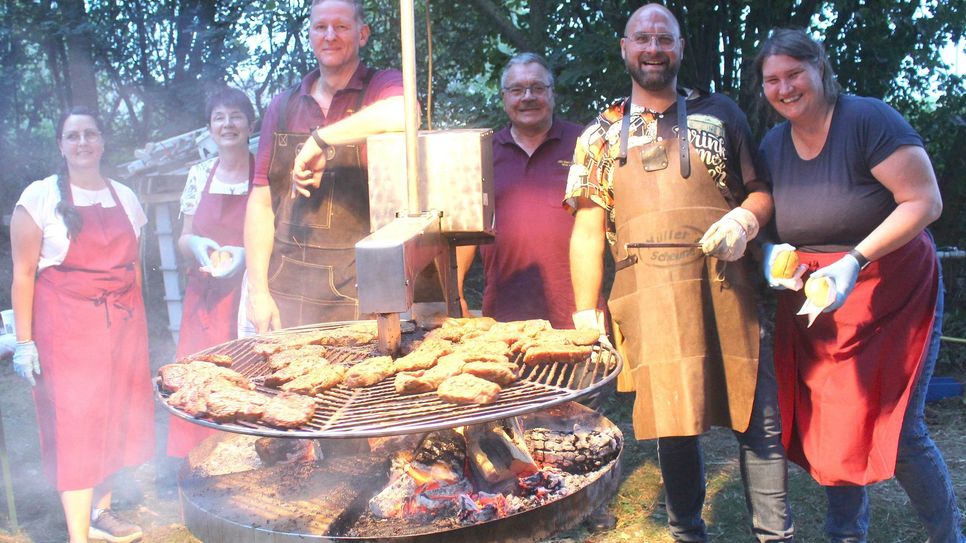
300,232
526,270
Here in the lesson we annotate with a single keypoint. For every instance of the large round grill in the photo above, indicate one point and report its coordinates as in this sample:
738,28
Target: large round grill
380,411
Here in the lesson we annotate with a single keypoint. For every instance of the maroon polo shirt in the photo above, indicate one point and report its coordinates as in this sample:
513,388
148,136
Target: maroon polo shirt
304,113
527,268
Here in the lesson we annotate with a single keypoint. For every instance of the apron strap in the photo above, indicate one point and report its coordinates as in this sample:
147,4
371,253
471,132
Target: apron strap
683,137
625,131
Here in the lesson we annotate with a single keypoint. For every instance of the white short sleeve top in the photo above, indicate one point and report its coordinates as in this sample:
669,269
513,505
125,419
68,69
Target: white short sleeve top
40,201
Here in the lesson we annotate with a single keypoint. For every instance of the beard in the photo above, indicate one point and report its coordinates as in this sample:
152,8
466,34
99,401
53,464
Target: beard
651,80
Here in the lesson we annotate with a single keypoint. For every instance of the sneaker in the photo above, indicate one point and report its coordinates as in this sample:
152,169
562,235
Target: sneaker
107,526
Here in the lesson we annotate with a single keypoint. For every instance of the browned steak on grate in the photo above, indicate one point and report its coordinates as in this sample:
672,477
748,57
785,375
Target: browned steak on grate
228,404
501,373
368,372
465,388
318,379
289,410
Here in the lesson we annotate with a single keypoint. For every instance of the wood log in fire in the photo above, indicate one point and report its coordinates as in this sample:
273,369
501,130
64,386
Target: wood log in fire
497,451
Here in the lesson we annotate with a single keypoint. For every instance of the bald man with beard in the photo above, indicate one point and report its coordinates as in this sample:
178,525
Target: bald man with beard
677,214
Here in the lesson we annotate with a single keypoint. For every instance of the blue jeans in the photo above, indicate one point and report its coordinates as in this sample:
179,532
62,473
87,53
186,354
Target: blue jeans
764,470
920,469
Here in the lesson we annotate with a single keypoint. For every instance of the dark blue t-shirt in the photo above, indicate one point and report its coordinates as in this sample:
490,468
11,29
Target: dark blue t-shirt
832,202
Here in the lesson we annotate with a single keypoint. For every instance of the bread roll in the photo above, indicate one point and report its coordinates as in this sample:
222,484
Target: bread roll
817,290
784,265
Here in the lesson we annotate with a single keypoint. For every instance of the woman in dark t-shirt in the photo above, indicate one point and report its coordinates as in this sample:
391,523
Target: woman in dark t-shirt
854,191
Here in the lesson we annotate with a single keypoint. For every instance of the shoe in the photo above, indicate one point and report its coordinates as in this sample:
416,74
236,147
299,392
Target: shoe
107,526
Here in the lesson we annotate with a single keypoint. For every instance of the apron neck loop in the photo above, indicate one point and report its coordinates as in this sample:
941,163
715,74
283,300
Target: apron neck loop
625,132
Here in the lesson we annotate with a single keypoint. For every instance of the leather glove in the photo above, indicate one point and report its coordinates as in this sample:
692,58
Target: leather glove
26,361
235,265
843,273
770,252
201,248
727,238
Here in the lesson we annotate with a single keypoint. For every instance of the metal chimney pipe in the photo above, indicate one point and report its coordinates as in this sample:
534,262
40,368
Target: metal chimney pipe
408,42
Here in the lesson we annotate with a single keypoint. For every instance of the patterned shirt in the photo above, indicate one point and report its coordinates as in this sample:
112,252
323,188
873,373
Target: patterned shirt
717,130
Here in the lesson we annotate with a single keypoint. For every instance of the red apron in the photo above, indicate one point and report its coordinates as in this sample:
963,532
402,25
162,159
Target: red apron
95,408
844,383
210,310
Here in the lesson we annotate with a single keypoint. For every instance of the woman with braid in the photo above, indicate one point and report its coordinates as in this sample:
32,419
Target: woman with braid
81,330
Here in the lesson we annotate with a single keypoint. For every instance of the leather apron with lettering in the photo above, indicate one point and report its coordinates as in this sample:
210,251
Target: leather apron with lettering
210,310
687,323
312,271
95,406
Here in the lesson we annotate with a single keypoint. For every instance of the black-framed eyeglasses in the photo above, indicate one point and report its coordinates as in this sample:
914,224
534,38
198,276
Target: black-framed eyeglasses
662,40
518,91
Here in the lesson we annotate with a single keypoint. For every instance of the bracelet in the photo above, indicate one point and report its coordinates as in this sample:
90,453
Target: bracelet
860,258
319,141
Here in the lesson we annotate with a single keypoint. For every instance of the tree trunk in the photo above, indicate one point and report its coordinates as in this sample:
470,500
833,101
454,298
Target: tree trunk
80,60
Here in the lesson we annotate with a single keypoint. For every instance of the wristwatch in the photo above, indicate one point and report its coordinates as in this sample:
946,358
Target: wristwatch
860,258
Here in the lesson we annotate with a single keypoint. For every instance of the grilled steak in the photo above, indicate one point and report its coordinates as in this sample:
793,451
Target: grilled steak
501,373
355,335
285,357
227,404
555,352
288,410
466,389
172,376
295,368
412,382
222,360
425,356
317,379
368,372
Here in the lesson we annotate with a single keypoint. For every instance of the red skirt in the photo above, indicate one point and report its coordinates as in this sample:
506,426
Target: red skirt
844,383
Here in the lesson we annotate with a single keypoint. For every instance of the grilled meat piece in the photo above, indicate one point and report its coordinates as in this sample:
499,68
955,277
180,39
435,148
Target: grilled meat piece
172,376
354,335
190,399
198,373
272,345
425,356
368,372
429,380
317,379
501,373
555,352
285,357
412,382
228,404
465,389
222,360
295,368
289,410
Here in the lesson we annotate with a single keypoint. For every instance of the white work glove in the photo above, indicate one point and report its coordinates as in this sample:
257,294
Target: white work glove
237,262
26,361
843,273
201,248
727,238
769,252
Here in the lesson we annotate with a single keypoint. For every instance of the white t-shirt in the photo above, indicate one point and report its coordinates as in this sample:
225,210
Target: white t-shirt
40,201
195,185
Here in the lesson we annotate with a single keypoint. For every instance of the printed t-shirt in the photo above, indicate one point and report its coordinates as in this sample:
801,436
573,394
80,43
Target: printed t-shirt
717,129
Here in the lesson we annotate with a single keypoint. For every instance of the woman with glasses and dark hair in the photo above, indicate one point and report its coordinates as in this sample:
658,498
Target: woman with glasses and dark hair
854,191
213,209
81,329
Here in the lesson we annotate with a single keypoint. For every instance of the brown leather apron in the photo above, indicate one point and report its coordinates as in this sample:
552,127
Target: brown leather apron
312,272
687,324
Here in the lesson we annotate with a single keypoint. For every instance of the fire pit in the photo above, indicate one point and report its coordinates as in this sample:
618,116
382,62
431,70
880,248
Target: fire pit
334,501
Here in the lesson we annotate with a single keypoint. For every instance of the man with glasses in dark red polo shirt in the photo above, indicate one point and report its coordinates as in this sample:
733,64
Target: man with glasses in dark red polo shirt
526,270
